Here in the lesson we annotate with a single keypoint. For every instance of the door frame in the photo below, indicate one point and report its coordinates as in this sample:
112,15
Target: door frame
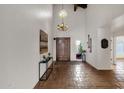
69,46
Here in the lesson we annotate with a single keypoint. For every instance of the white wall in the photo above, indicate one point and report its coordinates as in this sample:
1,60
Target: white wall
103,55
98,16
117,29
19,36
76,23
3,52
117,26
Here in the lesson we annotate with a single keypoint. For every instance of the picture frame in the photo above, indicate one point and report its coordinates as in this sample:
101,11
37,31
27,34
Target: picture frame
90,48
89,43
43,42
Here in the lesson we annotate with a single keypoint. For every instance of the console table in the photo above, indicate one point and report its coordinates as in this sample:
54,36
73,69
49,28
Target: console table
48,71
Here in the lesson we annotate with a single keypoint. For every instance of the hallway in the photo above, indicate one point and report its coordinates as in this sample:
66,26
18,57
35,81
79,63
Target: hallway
81,75
29,33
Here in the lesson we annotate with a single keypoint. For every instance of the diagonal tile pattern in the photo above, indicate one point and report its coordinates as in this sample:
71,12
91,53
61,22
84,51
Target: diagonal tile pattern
75,75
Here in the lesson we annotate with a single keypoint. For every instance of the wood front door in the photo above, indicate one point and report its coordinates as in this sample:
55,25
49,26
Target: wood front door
63,49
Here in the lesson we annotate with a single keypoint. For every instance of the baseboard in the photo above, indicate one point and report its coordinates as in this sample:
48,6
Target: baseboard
97,68
75,61
72,61
91,65
104,69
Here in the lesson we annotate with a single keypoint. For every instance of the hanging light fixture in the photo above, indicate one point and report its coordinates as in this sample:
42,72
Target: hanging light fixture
62,15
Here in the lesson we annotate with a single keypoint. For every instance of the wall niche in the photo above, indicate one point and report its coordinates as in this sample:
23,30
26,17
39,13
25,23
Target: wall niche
104,43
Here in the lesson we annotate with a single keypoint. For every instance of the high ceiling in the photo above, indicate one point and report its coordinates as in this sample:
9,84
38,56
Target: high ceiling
84,6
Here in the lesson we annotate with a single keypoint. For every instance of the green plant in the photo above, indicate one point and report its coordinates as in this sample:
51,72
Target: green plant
80,49
49,54
44,57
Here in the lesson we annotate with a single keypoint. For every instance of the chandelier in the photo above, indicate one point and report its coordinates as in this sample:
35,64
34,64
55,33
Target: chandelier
62,15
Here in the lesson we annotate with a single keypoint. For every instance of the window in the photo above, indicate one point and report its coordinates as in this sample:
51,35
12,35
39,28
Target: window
120,47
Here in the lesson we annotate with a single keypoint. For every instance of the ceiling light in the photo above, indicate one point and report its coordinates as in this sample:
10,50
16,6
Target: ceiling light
62,15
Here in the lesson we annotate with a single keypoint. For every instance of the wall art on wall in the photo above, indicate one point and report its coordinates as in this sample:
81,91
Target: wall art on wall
43,42
89,43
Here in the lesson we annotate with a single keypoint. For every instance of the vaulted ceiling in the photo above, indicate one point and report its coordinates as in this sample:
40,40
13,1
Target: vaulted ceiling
84,6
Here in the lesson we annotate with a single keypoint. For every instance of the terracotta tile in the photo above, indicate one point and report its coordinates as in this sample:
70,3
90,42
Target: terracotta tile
75,75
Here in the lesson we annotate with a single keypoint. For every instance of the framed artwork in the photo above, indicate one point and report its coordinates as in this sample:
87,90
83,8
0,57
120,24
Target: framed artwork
89,43
43,42
90,48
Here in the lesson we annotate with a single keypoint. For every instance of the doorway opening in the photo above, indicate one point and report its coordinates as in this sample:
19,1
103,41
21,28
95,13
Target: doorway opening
63,49
118,53
119,48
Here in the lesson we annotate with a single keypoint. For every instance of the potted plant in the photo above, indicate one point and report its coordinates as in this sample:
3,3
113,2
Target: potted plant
49,56
82,52
44,58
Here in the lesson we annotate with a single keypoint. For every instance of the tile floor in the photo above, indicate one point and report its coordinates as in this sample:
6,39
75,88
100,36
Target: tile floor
76,75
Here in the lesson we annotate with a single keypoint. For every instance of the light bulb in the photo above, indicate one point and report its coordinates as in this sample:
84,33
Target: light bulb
62,27
62,13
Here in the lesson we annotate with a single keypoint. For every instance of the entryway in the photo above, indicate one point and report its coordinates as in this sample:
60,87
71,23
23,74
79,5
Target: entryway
119,48
117,51
63,49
